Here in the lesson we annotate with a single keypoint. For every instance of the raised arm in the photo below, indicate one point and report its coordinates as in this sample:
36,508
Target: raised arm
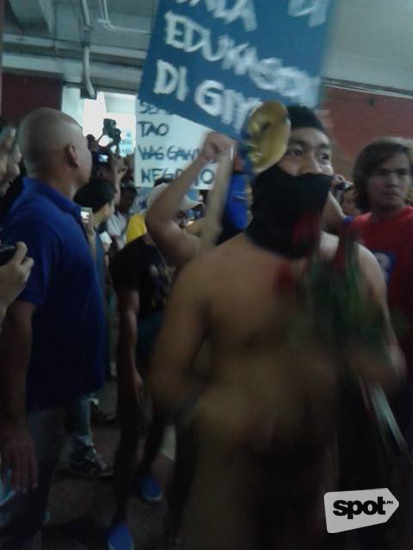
175,244
16,446
129,380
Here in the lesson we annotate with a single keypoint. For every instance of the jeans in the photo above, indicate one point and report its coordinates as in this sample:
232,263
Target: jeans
22,514
81,434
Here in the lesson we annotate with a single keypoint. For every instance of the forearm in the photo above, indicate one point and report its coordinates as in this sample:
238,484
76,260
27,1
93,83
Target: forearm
130,406
126,357
172,392
128,309
166,207
15,349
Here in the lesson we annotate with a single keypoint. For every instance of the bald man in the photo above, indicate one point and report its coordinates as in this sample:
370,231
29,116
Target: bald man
53,334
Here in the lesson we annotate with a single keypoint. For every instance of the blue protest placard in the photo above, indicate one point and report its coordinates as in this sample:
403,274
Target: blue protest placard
213,61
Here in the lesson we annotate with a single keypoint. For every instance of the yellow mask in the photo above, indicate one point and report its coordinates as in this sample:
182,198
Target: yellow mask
268,131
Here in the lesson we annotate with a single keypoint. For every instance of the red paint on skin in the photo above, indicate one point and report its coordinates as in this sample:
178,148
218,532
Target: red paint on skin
284,280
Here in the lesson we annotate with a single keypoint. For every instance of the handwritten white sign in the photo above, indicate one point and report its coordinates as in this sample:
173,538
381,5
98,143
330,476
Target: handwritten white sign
165,145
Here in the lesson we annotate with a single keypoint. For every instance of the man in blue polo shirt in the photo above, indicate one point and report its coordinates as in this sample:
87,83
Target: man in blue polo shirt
53,335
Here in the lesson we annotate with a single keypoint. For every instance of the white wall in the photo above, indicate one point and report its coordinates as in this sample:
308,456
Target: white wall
90,114
371,42
72,104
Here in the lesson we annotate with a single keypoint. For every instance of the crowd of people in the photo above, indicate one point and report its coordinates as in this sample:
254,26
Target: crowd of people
251,365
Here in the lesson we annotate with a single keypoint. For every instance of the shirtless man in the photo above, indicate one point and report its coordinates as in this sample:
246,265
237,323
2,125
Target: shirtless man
266,421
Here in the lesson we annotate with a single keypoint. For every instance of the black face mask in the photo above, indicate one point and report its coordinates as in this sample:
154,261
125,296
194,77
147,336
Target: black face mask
287,210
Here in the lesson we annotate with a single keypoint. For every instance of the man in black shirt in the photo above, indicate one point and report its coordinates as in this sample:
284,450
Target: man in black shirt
142,280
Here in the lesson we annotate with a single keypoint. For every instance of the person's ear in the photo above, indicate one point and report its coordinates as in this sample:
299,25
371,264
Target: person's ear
71,155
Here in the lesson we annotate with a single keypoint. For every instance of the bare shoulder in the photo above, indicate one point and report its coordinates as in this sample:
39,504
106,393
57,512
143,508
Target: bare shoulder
367,258
371,269
369,266
195,275
328,244
206,270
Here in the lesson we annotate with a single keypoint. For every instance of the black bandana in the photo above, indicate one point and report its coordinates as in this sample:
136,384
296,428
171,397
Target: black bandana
287,210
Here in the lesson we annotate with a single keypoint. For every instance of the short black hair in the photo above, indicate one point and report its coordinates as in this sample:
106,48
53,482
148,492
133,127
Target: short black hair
303,117
96,194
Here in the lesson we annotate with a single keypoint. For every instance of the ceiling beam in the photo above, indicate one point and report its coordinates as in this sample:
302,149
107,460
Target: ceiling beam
34,15
30,44
71,71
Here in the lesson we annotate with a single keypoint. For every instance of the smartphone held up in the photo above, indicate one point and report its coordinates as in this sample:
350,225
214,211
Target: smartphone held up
100,159
86,215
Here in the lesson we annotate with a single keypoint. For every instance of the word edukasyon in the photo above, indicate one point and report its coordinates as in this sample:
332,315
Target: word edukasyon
351,508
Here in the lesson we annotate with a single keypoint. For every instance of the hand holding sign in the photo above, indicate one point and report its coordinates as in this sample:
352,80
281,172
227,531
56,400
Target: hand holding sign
214,145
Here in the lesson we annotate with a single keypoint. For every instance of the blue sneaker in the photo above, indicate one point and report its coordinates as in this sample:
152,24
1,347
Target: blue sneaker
149,489
119,538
